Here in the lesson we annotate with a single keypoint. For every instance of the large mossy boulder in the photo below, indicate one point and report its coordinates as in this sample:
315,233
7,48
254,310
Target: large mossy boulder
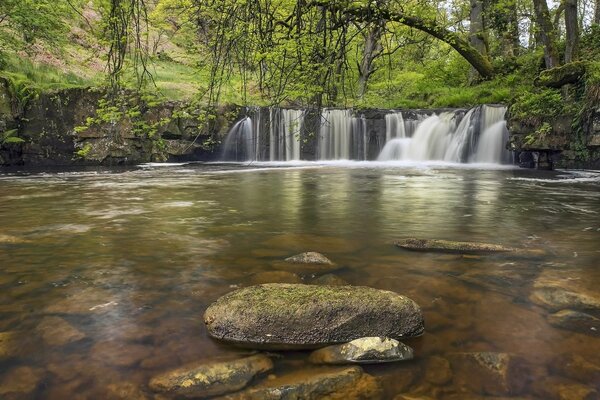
288,316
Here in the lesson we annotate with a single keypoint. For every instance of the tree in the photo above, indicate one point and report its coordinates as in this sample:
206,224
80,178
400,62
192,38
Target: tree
571,31
546,33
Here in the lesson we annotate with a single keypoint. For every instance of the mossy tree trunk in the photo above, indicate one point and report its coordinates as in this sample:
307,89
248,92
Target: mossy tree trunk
546,33
572,31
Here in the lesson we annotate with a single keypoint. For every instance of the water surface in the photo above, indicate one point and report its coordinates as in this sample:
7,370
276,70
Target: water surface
130,259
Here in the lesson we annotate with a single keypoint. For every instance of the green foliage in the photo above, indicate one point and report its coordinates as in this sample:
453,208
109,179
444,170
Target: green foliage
533,107
83,152
10,137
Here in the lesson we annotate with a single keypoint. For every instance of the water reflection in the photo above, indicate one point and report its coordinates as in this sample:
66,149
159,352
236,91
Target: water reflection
130,260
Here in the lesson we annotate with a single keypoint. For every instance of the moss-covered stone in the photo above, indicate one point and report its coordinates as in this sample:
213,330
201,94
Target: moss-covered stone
284,316
448,246
563,75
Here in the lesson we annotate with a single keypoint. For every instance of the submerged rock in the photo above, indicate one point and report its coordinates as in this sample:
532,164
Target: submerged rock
447,246
438,371
9,344
330,279
211,379
315,383
555,291
120,354
496,374
55,331
88,300
20,381
274,277
309,257
368,350
556,388
576,321
285,316
578,368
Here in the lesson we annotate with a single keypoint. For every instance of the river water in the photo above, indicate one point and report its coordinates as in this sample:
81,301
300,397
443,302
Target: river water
105,274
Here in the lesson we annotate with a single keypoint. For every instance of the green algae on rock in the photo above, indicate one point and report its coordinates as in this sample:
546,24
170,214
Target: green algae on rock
316,383
288,316
211,379
448,246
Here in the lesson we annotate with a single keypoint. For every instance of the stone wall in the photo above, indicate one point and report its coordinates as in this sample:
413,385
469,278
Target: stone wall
51,127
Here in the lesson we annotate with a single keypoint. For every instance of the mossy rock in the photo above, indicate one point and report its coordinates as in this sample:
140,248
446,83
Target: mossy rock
295,316
448,246
559,76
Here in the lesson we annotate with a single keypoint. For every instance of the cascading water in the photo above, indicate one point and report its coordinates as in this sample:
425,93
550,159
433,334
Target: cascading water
342,136
394,126
240,143
285,134
478,136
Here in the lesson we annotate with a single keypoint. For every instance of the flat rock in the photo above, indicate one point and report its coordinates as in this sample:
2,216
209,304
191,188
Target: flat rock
368,350
447,246
330,280
211,379
556,388
495,374
287,316
438,371
84,301
55,331
274,277
315,384
9,344
559,289
120,354
310,257
578,368
576,321
20,381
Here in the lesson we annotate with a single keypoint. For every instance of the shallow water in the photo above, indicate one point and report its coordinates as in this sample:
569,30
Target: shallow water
131,258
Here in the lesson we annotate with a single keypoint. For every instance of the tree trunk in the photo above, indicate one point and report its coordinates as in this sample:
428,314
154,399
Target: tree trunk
477,35
597,13
479,61
371,50
546,32
572,31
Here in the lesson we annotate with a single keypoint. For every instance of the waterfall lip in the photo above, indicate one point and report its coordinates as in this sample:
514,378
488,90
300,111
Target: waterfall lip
371,164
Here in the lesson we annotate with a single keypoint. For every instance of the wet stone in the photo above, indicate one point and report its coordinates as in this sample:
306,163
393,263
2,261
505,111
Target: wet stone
309,257
368,350
314,384
20,381
576,321
330,280
447,246
496,374
211,379
438,371
119,354
9,346
554,290
274,277
84,301
578,368
286,316
55,331
124,391
557,388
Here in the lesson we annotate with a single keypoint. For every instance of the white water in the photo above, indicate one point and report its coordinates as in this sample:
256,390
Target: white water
479,137
240,142
285,133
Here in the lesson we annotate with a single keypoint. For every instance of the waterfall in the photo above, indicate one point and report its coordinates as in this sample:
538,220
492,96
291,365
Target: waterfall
360,140
334,135
240,142
394,126
285,133
479,136
491,147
